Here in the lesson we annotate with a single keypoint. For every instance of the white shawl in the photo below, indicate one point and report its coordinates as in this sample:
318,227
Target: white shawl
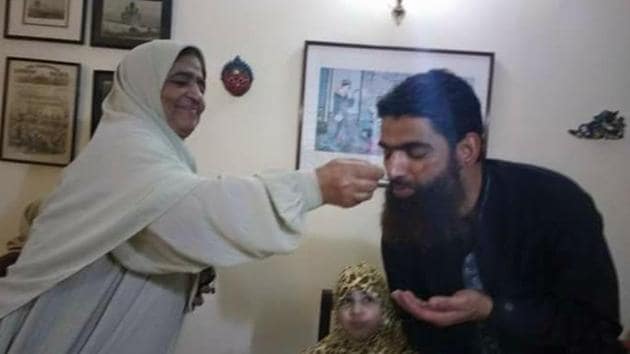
134,169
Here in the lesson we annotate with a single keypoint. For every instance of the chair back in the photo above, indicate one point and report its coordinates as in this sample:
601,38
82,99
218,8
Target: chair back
325,312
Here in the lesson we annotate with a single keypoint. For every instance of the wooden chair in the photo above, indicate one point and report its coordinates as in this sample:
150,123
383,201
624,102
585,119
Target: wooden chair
325,312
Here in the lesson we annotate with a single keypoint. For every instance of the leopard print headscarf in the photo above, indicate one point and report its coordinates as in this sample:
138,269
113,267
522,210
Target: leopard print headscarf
388,340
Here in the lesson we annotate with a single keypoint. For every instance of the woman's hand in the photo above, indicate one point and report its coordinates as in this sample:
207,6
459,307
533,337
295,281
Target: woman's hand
206,277
348,182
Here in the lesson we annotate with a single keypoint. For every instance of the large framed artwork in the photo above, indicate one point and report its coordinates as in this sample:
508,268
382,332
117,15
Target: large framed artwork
46,20
128,23
102,84
39,111
341,84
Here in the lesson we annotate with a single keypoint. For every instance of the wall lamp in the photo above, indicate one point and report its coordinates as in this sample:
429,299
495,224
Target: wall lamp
398,12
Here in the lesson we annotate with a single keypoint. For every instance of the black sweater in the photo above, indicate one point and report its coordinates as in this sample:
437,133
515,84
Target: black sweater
542,258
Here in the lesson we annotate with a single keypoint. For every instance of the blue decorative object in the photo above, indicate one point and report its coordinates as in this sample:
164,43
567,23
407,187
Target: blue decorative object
605,125
237,77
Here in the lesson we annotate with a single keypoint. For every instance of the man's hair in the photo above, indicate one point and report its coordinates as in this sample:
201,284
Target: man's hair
440,96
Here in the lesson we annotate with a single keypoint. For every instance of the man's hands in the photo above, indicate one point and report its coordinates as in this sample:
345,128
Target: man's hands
443,311
348,182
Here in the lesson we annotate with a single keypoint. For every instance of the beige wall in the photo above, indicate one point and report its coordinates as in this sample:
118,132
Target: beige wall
558,62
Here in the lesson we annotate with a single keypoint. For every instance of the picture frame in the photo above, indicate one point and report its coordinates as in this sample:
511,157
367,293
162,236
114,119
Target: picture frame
101,85
342,82
125,24
39,111
45,20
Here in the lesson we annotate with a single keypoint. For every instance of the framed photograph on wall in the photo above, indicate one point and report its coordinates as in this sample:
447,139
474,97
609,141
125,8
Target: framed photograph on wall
102,84
46,20
128,23
39,111
341,84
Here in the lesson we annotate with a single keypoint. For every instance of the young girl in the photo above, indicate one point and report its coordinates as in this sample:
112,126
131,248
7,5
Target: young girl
365,318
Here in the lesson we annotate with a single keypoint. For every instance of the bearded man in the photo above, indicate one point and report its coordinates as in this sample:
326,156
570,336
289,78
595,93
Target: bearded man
486,256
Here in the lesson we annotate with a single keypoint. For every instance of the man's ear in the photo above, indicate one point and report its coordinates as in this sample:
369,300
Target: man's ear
469,149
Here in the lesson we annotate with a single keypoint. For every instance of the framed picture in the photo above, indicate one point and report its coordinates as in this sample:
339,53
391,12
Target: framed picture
342,83
102,84
39,111
46,20
128,23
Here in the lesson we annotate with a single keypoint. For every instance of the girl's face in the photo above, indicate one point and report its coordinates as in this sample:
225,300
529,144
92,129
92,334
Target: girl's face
360,314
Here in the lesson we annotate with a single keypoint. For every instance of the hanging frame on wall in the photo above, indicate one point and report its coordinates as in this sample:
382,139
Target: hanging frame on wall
341,84
102,84
39,111
126,24
57,21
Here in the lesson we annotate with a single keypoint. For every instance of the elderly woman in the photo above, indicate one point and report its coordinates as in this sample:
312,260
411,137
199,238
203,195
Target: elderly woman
113,257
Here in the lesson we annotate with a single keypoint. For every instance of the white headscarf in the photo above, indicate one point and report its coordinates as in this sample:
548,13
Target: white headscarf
134,169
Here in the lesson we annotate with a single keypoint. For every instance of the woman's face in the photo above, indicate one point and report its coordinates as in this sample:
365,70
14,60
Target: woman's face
360,314
182,94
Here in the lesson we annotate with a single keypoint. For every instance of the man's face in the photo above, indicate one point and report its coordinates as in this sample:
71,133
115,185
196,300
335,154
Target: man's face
182,95
425,192
414,153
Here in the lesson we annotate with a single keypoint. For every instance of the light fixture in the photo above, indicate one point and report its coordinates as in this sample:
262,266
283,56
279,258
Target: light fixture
398,12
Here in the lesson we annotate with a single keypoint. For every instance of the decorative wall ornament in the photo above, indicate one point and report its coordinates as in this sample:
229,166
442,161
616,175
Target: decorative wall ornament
237,77
398,12
605,125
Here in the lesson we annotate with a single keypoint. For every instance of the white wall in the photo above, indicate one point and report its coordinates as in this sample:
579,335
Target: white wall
558,62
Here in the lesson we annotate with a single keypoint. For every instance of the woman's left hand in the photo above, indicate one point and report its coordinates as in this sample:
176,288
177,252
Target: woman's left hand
206,277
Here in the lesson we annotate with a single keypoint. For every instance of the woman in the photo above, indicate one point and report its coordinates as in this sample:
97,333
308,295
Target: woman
112,259
366,321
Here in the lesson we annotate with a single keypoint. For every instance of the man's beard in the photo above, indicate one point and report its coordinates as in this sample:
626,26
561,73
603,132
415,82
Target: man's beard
429,216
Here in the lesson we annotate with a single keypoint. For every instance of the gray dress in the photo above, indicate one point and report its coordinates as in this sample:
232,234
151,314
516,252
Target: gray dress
104,308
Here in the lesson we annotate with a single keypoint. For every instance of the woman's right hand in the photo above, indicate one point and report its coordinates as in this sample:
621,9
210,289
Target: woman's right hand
348,182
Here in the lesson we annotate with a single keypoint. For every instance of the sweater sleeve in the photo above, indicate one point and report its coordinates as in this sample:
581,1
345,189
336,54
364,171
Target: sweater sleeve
225,221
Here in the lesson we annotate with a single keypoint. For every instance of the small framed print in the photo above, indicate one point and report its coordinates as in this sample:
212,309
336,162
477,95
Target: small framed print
39,111
102,84
46,20
342,84
128,23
